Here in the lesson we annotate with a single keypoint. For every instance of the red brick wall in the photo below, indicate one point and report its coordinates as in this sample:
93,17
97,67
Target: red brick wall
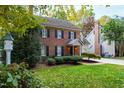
52,41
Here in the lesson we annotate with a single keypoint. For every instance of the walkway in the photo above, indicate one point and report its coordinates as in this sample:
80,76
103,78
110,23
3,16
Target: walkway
111,61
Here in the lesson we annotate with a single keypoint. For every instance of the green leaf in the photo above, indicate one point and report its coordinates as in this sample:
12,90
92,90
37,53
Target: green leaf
15,82
10,75
9,80
18,77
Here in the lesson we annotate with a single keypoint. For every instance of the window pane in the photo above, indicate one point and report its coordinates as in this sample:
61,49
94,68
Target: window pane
59,34
44,33
59,50
72,35
43,50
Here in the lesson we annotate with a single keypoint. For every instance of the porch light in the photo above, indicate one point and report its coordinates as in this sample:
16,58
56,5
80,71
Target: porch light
8,47
75,48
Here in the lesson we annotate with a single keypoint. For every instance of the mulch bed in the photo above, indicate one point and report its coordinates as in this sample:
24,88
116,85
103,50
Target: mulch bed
89,61
84,61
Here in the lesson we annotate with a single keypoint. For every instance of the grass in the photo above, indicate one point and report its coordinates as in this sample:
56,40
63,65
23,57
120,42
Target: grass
82,76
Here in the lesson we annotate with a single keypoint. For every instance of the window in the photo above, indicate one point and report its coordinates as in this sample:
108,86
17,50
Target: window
72,35
59,34
45,33
43,50
59,50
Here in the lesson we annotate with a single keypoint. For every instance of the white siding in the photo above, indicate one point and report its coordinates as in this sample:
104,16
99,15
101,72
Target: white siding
108,48
91,39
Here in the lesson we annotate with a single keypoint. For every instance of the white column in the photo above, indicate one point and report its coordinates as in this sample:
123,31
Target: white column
8,57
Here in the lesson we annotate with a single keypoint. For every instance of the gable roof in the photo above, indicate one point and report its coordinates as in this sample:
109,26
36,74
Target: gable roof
59,23
74,42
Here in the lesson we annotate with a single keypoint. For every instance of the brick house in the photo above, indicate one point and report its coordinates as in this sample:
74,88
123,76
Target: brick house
60,38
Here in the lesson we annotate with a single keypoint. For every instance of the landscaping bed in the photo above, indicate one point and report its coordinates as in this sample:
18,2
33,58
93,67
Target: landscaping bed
64,60
89,61
72,59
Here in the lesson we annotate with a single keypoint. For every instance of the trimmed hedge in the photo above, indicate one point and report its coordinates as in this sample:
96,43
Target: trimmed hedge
51,61
90,55
64,59
59,60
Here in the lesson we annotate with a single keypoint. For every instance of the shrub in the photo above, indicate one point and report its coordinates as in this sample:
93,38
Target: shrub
72,59
75,59
51,61
66,58
18,76
98,57
59,60
90,55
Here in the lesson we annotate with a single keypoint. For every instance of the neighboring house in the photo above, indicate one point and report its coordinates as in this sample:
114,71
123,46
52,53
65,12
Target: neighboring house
60,38
98,45
107,48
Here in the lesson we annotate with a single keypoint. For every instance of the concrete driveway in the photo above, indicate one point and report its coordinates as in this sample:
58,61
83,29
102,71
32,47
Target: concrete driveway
111,61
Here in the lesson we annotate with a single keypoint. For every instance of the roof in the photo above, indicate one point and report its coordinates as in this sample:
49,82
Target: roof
84,41
8,37
78,42
74,42
59,23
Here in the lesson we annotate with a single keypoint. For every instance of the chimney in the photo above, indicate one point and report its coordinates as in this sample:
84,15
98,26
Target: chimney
97,38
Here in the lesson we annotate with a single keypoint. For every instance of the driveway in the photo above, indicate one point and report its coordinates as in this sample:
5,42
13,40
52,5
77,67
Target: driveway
111,61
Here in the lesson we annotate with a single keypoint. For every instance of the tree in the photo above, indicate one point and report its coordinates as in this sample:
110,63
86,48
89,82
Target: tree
66,12
17,19
21,22
27,48
104,19
80,17
114,31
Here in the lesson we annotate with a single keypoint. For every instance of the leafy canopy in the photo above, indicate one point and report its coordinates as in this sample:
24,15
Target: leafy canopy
17,18
114,30
66,12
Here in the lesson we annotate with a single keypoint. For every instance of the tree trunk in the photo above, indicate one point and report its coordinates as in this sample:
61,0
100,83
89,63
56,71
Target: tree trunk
30,7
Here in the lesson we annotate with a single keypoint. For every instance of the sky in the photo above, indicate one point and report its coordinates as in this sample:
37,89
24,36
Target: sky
109,11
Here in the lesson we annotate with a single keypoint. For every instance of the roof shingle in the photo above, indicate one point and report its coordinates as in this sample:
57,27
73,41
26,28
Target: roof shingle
59,23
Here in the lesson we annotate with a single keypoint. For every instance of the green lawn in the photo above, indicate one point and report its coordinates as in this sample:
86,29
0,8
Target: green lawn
82,76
